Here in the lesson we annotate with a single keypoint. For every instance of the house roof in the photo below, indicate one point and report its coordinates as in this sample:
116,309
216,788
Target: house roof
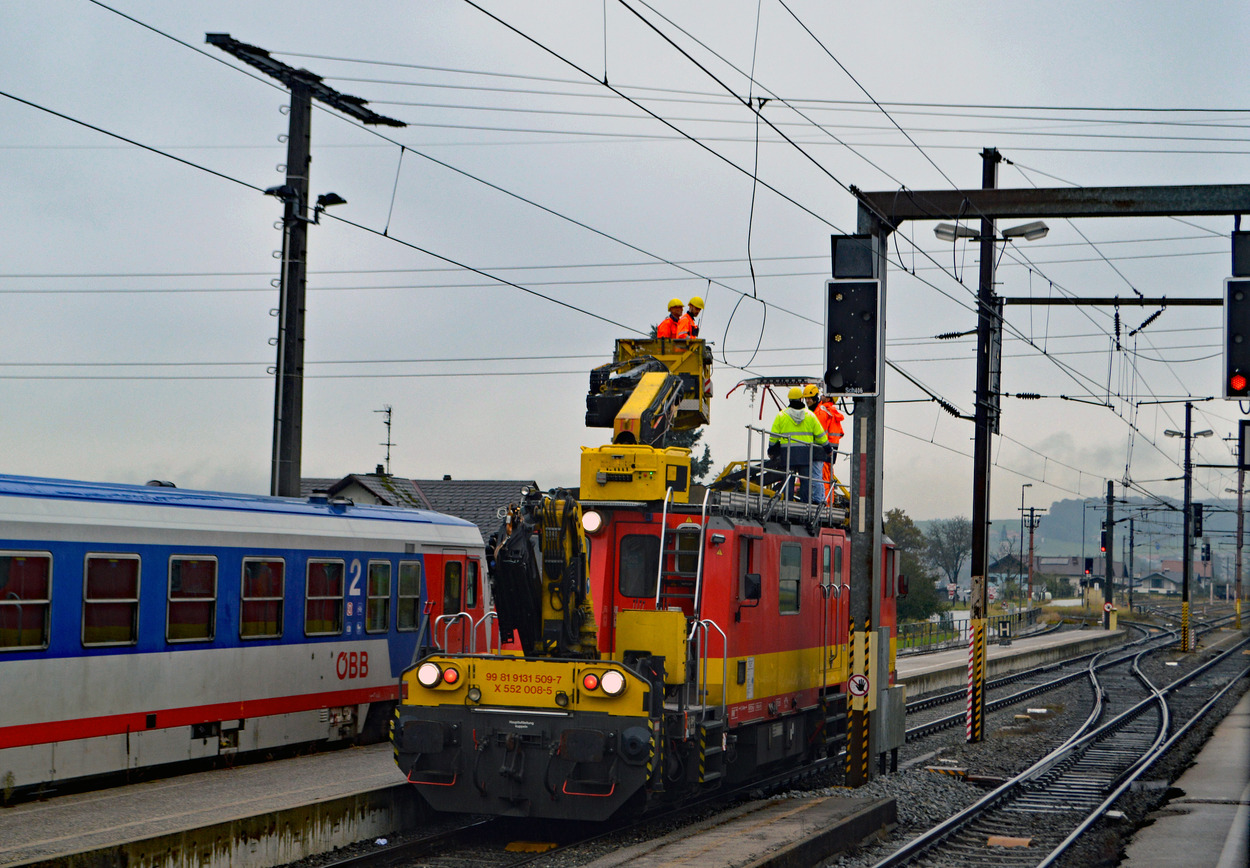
476,500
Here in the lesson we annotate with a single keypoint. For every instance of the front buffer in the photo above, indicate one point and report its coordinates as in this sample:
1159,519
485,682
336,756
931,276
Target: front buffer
503,735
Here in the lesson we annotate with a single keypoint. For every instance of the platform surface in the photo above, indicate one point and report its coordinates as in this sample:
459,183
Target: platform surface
771,832
1209,825
34,831
919,669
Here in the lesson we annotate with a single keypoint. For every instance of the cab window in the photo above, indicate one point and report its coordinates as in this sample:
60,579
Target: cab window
452,574
639,565
788,574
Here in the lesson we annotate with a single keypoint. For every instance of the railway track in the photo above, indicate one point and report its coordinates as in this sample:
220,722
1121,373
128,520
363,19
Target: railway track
1034,818
923,716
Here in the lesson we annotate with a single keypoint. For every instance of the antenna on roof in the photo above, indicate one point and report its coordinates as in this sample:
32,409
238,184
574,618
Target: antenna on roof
386,420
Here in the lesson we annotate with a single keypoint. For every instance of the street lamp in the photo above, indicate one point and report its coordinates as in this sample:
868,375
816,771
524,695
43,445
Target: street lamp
1186,558
1028,231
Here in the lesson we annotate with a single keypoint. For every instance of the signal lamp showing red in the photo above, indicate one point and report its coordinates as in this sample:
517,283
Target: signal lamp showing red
1237,382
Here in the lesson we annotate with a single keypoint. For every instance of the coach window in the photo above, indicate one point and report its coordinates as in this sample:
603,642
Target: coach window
378,611
470,585
260,615
451,588
788,577
640,564
323,602
409,615
190,612
826,565
25,586
110,607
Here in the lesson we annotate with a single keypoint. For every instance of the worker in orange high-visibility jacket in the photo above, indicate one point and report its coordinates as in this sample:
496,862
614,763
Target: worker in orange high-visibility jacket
687,327
668,326
830,418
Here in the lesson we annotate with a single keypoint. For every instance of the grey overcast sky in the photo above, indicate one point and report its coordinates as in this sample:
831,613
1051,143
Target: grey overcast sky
136,291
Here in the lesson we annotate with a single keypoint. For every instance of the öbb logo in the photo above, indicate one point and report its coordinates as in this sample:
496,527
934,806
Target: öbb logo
352,664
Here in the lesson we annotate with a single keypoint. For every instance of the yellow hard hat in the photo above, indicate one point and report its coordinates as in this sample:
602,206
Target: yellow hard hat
697,302
796,394
811,390
675,302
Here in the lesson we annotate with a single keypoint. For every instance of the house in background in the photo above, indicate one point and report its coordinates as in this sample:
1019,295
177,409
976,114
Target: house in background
480,501
1159,583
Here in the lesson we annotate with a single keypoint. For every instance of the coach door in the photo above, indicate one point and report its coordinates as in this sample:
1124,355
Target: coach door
460,603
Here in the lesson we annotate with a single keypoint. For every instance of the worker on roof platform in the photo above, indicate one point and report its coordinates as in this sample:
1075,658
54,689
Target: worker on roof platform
830,418
687,327
668,326
804,436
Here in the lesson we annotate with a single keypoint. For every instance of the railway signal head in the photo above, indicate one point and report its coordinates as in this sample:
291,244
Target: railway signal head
852,337
1237,339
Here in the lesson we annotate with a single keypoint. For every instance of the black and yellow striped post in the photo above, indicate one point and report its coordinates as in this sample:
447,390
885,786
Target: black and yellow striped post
974,725
852,708
975,722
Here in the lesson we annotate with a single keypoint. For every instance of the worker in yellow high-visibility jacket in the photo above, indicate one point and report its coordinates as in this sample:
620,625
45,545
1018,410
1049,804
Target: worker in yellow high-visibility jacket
804,434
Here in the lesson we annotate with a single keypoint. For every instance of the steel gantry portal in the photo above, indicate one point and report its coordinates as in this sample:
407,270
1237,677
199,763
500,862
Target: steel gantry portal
884,212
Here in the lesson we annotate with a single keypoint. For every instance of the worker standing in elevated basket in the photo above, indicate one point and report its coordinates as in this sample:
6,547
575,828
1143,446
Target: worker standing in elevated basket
687,327
668,326
830,417
805,437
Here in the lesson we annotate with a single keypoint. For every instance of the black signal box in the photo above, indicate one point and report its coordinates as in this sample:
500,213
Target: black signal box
852,337
1236,339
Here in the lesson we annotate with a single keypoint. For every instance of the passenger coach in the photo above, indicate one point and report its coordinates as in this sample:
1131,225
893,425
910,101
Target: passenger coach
148,625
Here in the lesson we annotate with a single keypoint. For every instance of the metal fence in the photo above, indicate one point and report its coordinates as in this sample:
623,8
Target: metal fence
947,632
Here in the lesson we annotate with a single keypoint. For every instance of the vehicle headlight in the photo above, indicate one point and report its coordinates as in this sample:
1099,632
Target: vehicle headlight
429,675
612,682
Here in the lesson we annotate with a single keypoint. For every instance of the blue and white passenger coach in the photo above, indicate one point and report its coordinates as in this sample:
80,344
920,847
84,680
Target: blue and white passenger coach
144,625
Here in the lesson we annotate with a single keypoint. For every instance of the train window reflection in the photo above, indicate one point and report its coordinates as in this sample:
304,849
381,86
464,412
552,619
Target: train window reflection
110,607
323,602
25,592
408,616
260,615
378,611
190,613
